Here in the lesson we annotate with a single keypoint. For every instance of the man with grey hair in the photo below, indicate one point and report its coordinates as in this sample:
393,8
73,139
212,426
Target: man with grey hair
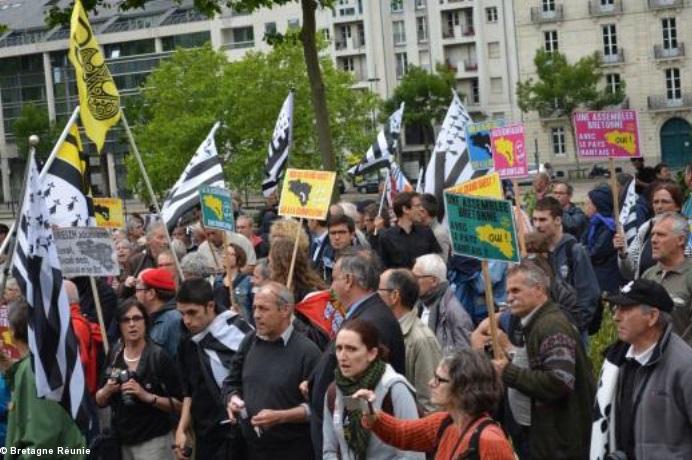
262,386
144,259
673,270
644,399
438,307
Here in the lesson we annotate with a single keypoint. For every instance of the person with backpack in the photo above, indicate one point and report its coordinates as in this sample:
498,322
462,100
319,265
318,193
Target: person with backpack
467,389
361,365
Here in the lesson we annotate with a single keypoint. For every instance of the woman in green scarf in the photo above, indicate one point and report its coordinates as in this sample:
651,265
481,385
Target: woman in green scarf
361,364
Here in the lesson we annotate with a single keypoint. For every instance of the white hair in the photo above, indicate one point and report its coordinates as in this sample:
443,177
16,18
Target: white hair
349,209
434,265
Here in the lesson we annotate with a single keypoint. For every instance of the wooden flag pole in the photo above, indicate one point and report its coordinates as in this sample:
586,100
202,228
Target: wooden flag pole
519,217
384,194
490,303
58,144
616,195
147,182
99,313
289,282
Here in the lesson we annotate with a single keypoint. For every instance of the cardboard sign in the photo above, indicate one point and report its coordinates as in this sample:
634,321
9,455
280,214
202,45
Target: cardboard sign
306,193
489,186
86,251
217,208
478,143
109,212
482,227
607,134
509,151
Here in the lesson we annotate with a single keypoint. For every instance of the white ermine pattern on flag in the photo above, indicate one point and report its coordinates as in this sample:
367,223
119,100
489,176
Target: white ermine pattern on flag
219,341
204,169
53,344
380,152
628,213
277,155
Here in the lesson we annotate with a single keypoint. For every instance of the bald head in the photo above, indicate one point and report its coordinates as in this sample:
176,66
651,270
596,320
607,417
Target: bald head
71,291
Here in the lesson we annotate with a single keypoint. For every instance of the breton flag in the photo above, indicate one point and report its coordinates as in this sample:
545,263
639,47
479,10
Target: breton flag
628,213
58,369
397,183
450,163
66,187
382,150
99,101
277,155
204,169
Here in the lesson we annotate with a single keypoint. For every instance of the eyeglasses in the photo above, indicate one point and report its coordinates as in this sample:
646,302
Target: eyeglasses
131,319
437,380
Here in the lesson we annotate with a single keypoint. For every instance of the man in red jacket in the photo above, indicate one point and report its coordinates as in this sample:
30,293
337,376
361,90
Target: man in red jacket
88,336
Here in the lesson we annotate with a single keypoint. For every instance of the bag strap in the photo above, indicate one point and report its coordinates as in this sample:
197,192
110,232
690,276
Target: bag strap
474,451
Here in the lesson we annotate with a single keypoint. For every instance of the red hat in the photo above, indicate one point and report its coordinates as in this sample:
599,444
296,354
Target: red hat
158,278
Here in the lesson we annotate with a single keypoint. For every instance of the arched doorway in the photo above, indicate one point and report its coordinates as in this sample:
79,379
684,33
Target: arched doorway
676,142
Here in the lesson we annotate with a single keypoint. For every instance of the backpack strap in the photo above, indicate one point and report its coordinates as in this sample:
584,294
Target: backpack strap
474,451
446,422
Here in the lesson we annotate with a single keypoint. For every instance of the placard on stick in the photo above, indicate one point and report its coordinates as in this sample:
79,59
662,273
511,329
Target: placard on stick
217,208
306,193
86,251
488,186
509,151
478,143
613,134
109,212
482,227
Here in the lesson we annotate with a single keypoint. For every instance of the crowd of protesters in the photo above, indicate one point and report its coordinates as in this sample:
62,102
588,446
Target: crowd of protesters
379,345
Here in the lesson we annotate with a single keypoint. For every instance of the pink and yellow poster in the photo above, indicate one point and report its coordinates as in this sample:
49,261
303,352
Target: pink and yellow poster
607,134
509,151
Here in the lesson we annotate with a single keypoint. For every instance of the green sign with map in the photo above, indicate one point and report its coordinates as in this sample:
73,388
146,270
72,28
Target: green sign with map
217,208
481,227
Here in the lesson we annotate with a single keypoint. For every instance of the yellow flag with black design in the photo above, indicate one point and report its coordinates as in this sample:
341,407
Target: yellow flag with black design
99,100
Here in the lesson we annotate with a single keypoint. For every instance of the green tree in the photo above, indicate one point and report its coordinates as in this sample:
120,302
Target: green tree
563,88
34,120
307,38
193,89
427,96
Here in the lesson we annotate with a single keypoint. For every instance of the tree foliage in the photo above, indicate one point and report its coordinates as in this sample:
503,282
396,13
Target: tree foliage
188,93
34,120
562,88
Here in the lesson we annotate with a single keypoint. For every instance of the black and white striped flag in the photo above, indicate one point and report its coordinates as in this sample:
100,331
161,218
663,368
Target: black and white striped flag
204,169
450,163
53,344
628,213
277,155
382,150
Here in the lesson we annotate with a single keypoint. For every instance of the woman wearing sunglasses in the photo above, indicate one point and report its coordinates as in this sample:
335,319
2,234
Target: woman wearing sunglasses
142,386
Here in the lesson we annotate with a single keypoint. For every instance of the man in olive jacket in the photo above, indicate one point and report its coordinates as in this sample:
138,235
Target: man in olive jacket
558,378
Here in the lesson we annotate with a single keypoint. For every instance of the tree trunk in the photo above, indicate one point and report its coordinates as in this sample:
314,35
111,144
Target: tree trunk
319,98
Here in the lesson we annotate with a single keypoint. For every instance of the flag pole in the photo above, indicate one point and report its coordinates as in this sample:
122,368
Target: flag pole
58,144
384,193
519,217
616,195
147,182
99,313
490,303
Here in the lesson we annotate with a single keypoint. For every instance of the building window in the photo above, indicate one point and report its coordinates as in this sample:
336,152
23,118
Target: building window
493,50
360,29
325,33
548,5
607,3
293,24
399,32
496,85
613,82
397,6
421,4
401,64
610,40
475,92
550,40
491,14
348,64
670,34
269,28
243,37
422,29
558,137
673,88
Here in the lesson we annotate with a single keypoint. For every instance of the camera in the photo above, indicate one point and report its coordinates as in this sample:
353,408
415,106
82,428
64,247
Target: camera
122,376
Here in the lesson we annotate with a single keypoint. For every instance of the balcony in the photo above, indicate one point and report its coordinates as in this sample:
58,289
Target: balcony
663,103
665,4
470,65
463,31
612,59
353,44
596,8
665,54
541,16
238,45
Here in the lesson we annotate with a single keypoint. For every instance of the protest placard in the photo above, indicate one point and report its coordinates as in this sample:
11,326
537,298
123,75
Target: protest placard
86,251
478,143
509,151
613,134
217,208
109,212
488,186
482,227
306,193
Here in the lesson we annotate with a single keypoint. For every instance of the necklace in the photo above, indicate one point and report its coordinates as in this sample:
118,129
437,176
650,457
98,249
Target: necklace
131,360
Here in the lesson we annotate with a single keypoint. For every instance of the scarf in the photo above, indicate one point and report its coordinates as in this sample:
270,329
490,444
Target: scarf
596,220
357,437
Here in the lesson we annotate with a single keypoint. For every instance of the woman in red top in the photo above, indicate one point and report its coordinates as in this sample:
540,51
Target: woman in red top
467,388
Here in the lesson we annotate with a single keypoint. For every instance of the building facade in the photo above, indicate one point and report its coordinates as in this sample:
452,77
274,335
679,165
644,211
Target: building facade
641,43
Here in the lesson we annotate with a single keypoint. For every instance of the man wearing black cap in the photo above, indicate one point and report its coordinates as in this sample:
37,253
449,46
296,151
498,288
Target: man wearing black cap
644,399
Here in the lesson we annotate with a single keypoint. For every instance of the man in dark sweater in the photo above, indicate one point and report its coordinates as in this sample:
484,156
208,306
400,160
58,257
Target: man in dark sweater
262,386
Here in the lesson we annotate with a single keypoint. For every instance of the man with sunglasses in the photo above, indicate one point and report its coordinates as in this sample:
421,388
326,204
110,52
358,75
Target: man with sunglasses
644,399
